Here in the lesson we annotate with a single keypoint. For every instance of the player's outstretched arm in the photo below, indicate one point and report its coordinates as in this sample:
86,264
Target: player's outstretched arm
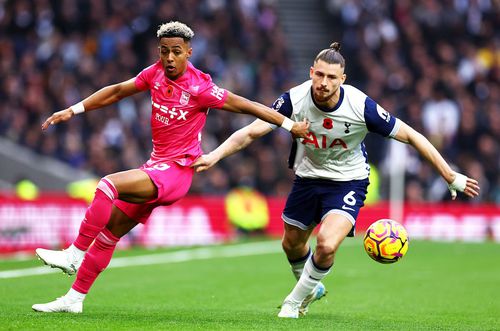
105,96
236,142
456,181
238,104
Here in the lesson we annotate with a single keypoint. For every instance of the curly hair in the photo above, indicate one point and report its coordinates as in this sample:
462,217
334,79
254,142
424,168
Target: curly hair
175,29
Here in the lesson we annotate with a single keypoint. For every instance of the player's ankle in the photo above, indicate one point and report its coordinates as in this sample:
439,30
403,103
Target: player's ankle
78,253
74,296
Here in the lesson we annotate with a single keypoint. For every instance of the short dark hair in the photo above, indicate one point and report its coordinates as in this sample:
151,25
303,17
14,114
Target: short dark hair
331,55
175,29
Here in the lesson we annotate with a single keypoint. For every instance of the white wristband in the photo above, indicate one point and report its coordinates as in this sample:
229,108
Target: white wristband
78,108
459,183
287,124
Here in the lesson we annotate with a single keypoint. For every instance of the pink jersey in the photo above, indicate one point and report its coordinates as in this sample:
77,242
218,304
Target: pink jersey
179,111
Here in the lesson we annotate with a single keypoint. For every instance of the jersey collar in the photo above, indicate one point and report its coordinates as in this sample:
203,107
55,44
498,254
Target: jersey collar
329,110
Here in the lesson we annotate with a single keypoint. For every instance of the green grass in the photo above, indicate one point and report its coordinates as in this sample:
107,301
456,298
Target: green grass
437,286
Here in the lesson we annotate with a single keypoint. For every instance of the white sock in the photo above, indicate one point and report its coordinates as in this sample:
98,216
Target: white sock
78,253
75,296
298,265
308,281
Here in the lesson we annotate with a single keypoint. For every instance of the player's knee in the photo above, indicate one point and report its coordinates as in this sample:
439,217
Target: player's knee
290,246
326,249
107,186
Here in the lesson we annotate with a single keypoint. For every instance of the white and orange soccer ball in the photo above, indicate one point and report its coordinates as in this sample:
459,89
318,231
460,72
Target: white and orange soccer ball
386,241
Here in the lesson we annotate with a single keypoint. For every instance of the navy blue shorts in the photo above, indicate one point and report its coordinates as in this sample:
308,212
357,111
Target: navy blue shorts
311,200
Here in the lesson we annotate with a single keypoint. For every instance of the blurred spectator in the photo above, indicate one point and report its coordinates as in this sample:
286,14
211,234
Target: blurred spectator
435,64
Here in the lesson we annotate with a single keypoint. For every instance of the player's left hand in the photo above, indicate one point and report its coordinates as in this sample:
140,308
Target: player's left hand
57,117
462,183
300,129
204,162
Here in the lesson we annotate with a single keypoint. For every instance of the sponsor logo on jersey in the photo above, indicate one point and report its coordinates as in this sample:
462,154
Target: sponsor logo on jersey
347,208
383,114
323,140
171,113
217,92
161,118
278,103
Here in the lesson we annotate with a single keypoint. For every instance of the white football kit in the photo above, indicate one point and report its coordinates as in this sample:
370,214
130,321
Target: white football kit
331,164
334,148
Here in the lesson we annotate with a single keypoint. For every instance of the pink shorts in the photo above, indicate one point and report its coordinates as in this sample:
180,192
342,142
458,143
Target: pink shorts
171,179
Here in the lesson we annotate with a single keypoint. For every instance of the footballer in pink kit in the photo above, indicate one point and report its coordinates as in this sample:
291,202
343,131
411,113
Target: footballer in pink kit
181,96
179,111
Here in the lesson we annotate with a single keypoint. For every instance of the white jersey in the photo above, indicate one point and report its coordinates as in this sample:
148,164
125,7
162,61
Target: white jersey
334,148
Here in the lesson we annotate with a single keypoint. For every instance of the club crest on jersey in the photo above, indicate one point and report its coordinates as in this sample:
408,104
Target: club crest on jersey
184,100
347,125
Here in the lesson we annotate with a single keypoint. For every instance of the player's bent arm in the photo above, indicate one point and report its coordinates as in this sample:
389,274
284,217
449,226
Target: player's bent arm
236,142
241,139
408,135
237,104
104,97
455,180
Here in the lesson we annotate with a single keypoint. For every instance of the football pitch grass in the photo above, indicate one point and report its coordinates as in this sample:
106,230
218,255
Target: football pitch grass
437,286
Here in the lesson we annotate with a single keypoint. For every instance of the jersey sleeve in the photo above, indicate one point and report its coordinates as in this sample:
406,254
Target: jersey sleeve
282,105
378,120
213,97
143,79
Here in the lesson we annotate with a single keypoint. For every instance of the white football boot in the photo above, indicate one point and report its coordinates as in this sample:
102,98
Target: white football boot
289,309
317,294
60,305
66,260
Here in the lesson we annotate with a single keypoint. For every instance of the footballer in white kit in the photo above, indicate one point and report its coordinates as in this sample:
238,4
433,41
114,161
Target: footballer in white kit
331,163
331,169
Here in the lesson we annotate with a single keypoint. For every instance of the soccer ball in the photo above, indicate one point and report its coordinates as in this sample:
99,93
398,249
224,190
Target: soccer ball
386,241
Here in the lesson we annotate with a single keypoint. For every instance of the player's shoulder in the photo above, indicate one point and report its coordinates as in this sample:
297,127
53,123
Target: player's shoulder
153,68
199,81
354,97
300,91
353,92
192,70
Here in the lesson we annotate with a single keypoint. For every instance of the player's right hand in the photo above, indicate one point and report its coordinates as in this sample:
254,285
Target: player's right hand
57,117
204,162
300,129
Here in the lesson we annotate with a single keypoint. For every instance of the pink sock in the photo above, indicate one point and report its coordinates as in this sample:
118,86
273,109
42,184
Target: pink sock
97,215
95,261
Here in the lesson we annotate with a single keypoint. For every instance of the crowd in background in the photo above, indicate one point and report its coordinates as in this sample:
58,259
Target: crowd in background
435,64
